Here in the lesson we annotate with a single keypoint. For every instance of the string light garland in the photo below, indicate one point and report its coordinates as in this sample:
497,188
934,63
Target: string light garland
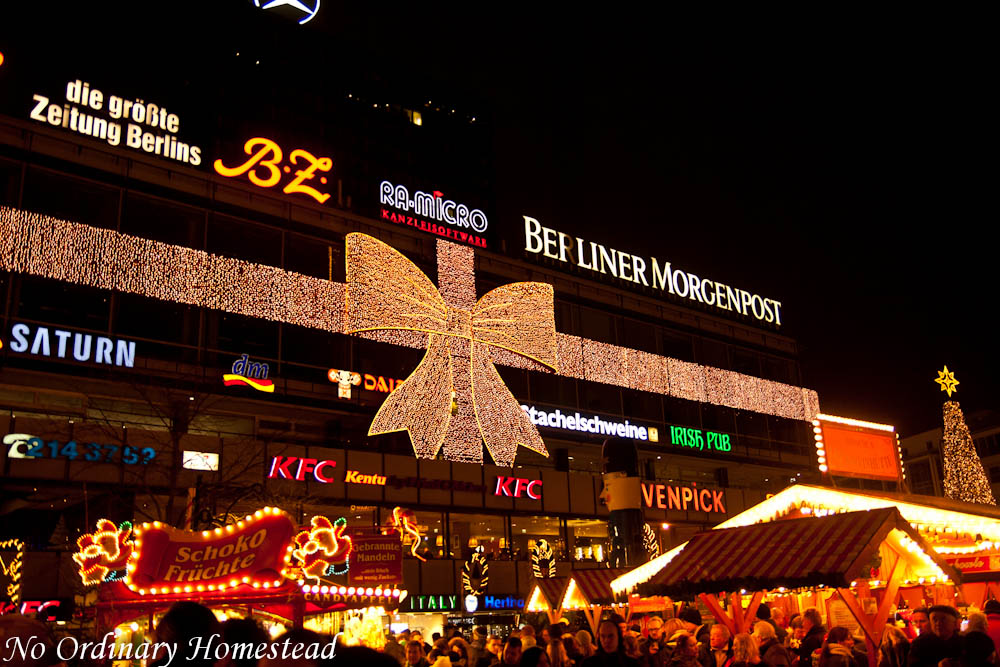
318,550
455,394
405,522
650,542
44,246
541,553
964,477
12,569
103,552
476,569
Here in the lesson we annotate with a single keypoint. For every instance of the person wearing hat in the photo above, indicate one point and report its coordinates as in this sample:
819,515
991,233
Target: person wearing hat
764,614
992,611
942,642
691,618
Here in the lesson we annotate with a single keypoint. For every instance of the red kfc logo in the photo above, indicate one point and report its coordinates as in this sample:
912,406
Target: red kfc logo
516,487
281,466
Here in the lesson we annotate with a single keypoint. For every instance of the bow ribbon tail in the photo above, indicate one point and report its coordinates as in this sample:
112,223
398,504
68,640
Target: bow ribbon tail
422,404
502,422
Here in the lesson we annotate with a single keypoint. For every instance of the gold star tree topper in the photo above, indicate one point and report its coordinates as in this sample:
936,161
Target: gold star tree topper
947,381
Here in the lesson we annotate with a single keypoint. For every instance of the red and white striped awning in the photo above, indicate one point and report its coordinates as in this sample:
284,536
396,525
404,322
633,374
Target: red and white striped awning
830,551
592,586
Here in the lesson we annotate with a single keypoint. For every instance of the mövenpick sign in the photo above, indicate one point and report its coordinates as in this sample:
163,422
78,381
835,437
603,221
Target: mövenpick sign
626,266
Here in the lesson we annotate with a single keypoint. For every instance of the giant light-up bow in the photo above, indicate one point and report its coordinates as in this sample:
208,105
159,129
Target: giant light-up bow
455,397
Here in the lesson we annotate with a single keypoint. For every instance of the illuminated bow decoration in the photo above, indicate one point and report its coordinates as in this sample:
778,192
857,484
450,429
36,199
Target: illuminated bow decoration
455,392
103,551
322,546
405,521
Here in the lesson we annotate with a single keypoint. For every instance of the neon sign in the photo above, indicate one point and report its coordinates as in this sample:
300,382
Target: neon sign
521,486
590,424
671,497
700,440
281,468
267,155
84,347
76,115
355,477
632,268
509,602
249,374
296,5
32,447
433,206
346,379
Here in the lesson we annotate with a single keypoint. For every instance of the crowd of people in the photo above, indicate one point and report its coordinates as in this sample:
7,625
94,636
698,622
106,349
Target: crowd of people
929,638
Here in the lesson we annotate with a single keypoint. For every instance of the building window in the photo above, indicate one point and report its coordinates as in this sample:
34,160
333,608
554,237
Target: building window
588,539
525,531
920,477
469,531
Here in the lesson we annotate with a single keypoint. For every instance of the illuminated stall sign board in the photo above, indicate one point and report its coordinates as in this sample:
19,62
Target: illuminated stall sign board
518,487
264,168
144,126
509,603
590,424
62,344
432,603
701,440
652,273
684,498
418,208
282,468
249,373
23,446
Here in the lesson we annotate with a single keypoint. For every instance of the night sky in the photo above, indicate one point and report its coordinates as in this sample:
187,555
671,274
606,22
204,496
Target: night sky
836,163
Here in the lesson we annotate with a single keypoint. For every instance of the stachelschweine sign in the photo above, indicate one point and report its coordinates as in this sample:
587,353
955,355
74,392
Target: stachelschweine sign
649,273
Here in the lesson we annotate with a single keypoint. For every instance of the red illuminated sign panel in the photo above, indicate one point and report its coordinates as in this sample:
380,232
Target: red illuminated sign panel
855,451
518,487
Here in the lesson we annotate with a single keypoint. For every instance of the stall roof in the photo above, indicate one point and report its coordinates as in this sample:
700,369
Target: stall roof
547,594
926,514
589,587
829,551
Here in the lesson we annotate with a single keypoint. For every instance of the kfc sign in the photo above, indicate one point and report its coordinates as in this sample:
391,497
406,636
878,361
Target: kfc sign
293,467
518,487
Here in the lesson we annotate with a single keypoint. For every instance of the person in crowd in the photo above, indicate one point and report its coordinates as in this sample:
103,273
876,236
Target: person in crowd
435,636
460,648
534,657
511,651
183,622
294,637
394,649
528,637
611,651
558,630
572,647
764,613
992,611
939,641
772,652
795,634
362,655
440,648
977,650
418,637
691,619
977,622
558,656
780,618
718,652
894,649
14,628
838,650
241,631
653,646
477,647
920,620
685,652
812,626
587,648
631,645
619,620
491,654
745,652
415,654
545,635
635,630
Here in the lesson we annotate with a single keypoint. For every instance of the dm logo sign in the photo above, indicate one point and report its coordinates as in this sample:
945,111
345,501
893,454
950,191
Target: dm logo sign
249,374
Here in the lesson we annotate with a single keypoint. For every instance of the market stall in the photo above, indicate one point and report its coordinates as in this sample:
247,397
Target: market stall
863,558
546,597
589,591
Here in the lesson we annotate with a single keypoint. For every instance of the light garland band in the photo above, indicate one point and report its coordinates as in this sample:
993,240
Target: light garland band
541,552
44,246
13,568
476,565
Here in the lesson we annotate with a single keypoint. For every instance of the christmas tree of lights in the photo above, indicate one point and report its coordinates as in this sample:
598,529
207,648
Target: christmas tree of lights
964,477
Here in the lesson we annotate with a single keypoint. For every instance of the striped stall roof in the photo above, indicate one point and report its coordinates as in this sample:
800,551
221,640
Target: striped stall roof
553,589
595,585
830,551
